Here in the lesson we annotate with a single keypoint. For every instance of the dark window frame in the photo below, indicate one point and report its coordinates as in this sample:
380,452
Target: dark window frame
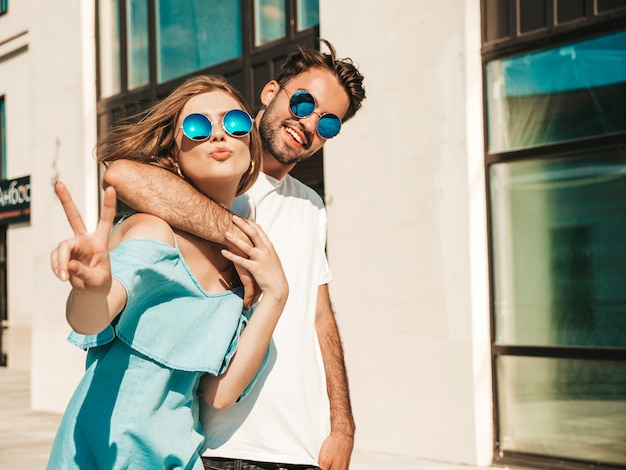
248,73
551,34
594,23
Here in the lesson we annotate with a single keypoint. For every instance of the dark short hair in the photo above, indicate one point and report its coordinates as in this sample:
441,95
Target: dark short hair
305,58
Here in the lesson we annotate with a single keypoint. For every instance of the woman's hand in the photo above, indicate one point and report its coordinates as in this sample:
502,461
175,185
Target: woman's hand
84,259
262,263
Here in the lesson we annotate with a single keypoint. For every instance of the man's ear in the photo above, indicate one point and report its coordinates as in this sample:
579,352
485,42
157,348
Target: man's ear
268,92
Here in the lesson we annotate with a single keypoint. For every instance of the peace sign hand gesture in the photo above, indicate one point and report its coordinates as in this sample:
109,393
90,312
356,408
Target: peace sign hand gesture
84,259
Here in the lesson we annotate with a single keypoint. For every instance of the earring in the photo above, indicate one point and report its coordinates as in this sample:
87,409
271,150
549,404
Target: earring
251,170
180,173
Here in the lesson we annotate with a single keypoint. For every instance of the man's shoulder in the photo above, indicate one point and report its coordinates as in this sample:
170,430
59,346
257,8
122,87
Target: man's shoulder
299,189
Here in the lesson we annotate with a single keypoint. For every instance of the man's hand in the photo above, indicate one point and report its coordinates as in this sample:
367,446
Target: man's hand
139,185
336,452
337,448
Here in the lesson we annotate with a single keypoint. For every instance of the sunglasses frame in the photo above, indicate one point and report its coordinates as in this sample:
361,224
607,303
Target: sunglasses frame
320,116
221,122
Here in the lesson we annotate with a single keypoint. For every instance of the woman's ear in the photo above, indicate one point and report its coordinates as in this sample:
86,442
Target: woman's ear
268,92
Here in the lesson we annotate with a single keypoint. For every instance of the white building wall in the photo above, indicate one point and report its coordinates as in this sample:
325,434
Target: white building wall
49,85
407,229
14,80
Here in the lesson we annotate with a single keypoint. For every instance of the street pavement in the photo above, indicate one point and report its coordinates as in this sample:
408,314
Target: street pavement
26,435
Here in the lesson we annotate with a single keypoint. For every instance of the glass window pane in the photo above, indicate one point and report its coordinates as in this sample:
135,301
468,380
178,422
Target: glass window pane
269,21
608,5
109,46
559,258
496,19
568,10
308,14
568,408
196,34
532,15
138,50
559,94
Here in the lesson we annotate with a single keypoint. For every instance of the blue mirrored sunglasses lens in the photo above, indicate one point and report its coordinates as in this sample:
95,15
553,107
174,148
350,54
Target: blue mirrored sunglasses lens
302,104
237,122
197,127
328,126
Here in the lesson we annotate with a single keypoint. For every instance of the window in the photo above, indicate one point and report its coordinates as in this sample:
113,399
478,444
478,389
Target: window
109,47
4,6
270,22
196,34
555,91
308,14
147,47
610,5
145,43
570,10
532,15
510,25
138,42
562,407
563,93
558,259
559,307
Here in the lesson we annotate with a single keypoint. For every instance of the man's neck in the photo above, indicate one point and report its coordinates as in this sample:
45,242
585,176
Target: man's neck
274,168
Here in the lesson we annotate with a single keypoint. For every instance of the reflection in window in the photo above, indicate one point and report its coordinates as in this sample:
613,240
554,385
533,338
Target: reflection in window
269,21
138,44
563,408
558,252
109,42
308,14
559,94
196,34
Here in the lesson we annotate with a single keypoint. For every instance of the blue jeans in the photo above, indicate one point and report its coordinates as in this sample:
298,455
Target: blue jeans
216,463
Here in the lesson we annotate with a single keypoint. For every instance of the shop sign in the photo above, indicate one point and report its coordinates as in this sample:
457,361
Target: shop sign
15,200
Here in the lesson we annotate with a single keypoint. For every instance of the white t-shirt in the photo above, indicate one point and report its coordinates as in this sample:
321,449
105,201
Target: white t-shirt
286,416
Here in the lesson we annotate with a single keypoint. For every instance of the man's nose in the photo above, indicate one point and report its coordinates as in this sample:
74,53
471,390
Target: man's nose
310,122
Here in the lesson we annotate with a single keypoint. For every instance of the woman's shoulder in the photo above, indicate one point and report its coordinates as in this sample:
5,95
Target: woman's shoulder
141,225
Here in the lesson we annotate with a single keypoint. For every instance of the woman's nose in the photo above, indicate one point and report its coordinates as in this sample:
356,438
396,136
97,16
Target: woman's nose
218,132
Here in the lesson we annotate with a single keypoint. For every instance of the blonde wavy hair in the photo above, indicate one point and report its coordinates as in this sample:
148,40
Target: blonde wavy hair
151,139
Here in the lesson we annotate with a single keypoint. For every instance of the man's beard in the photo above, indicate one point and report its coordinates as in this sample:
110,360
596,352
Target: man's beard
270,129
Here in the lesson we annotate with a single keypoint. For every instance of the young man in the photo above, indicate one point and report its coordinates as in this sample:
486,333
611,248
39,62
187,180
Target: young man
298,415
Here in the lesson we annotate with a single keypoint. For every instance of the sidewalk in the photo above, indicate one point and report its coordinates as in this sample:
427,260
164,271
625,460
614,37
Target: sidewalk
26,435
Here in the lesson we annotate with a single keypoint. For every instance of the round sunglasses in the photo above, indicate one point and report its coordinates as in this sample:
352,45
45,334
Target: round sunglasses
302,104
198,127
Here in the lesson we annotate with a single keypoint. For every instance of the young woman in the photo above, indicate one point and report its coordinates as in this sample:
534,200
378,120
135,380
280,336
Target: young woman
160,310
